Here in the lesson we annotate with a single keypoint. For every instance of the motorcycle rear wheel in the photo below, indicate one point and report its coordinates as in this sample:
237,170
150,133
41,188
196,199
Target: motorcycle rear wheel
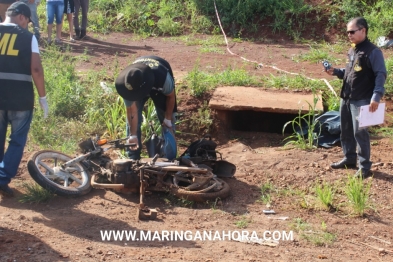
45,168
201,196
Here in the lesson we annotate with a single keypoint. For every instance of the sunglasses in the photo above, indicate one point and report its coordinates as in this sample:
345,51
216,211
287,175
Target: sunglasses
353,31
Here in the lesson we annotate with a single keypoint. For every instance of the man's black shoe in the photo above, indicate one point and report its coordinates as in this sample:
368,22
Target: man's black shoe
363,174
5,190
343,164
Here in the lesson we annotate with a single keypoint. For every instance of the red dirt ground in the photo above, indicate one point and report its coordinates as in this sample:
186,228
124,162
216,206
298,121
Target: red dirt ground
68,229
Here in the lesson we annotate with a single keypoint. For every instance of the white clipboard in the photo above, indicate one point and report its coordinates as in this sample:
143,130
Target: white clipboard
367,118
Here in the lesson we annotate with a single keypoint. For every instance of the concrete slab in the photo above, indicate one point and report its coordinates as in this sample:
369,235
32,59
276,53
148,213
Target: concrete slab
236,98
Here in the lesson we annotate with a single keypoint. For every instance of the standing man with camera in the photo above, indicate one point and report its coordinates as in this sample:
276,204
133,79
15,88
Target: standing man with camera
363,84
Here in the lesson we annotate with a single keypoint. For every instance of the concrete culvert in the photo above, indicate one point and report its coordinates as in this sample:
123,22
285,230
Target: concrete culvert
256,110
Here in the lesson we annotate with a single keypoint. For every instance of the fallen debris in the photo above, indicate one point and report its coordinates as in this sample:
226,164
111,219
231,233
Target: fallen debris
383,41
379,249
278,218
383,241
260,241
106,88
268,211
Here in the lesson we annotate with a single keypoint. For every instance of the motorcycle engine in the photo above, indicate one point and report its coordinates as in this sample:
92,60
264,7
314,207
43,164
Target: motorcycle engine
123,173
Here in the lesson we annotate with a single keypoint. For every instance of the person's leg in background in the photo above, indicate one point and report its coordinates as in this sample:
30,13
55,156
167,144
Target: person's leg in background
59,10
85,10
77,6
50,16
69,10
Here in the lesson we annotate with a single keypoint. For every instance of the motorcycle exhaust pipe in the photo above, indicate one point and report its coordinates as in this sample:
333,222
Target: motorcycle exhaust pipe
183,168
99,185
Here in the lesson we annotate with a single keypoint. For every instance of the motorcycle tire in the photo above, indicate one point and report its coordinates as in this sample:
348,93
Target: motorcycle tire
199,196
41,161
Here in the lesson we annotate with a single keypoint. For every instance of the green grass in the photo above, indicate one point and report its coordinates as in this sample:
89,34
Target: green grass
33,193
325,194
201,121
317,55
266,190
358,192
382,131
115,119
78,106
214,204
212,49
389,80
318,237
200,81
200,40
243,222
172,200
296,18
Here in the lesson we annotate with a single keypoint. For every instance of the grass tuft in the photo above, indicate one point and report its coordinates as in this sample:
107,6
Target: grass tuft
34,193
357,193
325,195
318,237
243,222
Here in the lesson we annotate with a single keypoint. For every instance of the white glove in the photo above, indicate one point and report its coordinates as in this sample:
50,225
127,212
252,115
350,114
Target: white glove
44,106
167,122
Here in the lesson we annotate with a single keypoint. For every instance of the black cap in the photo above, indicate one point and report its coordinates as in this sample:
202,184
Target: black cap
135,82
19,8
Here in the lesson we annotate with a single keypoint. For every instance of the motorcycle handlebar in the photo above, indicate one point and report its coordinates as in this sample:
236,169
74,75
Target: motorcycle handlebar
118,143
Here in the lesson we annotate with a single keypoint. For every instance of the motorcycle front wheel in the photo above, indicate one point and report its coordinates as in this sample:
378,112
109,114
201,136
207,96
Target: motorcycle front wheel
216,188
46,168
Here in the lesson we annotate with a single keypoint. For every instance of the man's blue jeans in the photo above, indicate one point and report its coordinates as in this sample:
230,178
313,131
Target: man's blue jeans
353,138
136,154
20,125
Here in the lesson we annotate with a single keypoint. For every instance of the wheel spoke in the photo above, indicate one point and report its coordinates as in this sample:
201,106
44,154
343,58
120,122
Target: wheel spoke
66,182
75,179
50,170
50,177
72,169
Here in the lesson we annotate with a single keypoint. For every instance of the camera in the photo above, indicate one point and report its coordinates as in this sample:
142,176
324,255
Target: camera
326,65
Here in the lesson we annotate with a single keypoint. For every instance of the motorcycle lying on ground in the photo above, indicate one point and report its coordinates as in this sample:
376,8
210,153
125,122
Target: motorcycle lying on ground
194,178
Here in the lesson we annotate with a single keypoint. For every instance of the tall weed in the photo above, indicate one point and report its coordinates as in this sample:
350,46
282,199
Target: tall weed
305,135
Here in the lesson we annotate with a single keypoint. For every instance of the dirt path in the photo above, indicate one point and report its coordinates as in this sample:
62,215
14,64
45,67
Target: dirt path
69,229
